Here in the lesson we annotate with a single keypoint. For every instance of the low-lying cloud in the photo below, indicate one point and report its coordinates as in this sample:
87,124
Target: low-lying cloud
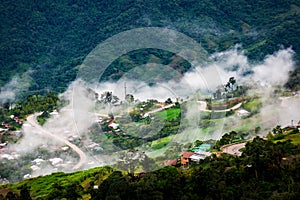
271,72
17,85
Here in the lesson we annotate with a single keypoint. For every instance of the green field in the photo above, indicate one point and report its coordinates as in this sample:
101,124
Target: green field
160,143
43,185
169,114
253,105
295,139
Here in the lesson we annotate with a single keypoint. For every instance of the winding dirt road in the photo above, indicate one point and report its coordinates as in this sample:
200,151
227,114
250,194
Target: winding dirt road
31,119
234,149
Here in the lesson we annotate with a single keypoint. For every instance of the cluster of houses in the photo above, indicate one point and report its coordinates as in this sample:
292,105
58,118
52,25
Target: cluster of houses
11,156
16,119
8,126
94,146
39,163
116,129
201,152
193,156
114,126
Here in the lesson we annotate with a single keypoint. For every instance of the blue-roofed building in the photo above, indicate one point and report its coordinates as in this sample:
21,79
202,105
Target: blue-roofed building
203,147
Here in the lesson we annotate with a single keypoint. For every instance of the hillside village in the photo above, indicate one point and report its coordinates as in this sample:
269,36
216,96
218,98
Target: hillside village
160,146
194,156
149,100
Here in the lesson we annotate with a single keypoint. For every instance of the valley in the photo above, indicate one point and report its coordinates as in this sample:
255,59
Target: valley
130,99
158,130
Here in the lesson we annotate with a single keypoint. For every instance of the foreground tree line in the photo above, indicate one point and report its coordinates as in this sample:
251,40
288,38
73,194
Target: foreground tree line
266,170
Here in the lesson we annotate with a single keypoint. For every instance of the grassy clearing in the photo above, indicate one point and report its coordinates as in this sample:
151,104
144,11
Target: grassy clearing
253,106
295,139
169,114
160,143
40,186
158,152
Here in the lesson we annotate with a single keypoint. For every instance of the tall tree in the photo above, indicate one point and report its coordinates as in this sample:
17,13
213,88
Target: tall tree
24,192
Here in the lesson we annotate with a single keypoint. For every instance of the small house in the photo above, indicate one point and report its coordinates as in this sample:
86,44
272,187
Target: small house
186,157
37,161
199,156
56,161
114,125
35,168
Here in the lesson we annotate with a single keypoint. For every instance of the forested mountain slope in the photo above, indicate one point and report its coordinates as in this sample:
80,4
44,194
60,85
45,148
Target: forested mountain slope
53,37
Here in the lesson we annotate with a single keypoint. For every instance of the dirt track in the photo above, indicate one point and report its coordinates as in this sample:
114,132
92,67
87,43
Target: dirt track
31,119
234,149
203,106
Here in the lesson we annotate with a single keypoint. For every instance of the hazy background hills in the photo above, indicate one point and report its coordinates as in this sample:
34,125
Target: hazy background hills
52,37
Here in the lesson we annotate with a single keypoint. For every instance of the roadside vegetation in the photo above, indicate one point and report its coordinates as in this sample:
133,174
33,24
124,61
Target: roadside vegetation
253,105
279,134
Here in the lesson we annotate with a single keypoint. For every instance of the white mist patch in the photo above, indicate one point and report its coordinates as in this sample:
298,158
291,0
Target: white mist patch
17,84
275,68
281,112
233,59
140,90
205,79
272,71
31,140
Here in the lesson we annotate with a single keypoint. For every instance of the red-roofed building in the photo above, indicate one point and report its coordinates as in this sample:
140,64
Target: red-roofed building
185,157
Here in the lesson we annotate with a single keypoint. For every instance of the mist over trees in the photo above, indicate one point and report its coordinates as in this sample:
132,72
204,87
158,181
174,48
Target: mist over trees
50,39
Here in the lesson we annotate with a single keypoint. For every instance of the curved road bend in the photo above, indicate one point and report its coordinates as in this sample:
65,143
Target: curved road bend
31,119
234,149
203,106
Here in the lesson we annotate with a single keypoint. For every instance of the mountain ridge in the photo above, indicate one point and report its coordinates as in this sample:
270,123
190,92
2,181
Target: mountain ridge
52,38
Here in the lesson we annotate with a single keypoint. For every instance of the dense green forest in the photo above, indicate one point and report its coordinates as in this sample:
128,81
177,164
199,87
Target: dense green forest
266,170
53,37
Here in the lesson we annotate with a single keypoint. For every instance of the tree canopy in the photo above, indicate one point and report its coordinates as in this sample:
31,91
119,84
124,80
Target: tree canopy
52,37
